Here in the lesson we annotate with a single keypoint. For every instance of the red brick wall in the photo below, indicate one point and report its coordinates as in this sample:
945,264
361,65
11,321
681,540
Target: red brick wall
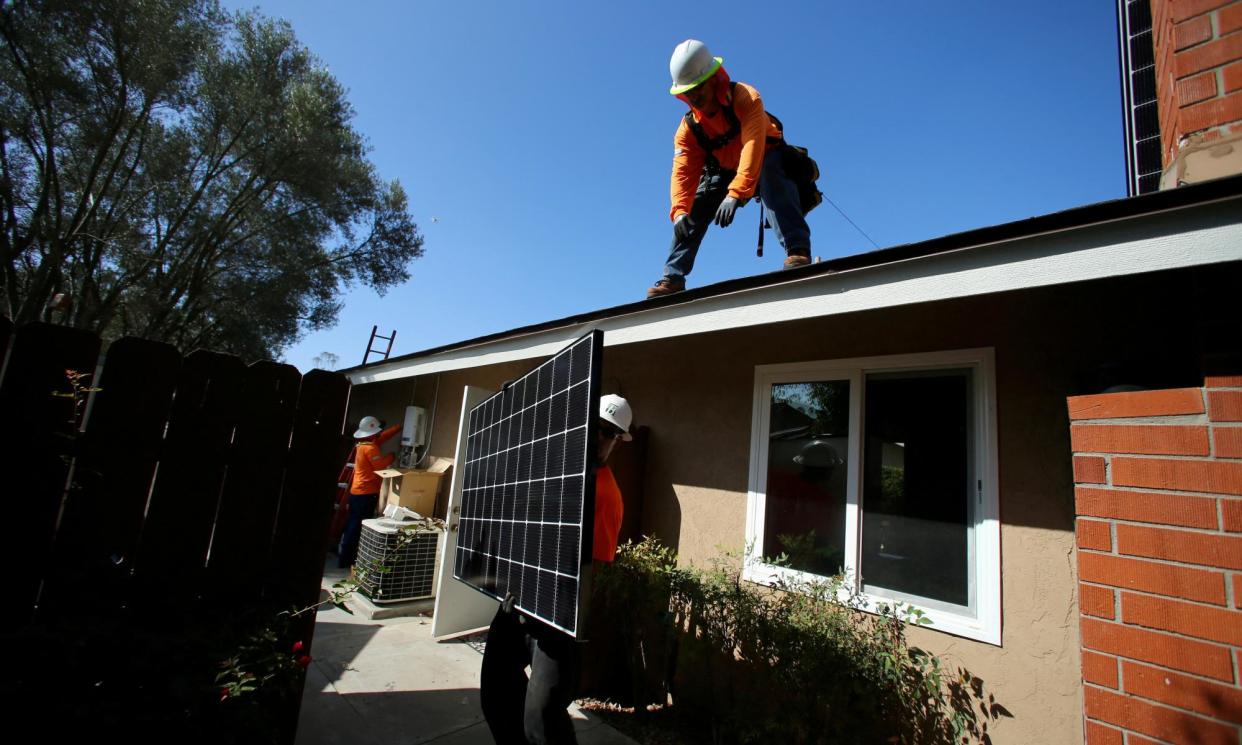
1158,498
1198,46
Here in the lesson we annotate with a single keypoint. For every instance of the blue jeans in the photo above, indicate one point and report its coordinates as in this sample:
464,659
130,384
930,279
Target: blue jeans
782,210
361,507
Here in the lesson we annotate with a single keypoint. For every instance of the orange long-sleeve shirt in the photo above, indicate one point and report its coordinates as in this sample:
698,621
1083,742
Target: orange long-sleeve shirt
609,510
743,153
368,459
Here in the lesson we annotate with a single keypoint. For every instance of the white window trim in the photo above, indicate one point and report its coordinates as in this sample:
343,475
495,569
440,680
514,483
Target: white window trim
985,624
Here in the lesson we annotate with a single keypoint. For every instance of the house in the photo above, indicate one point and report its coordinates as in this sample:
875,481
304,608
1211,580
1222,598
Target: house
909,404
902,414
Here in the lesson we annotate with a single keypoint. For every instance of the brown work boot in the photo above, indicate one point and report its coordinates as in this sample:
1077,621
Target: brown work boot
793,261
666,286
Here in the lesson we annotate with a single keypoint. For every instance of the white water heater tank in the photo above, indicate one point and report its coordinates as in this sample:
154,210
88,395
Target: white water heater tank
414,431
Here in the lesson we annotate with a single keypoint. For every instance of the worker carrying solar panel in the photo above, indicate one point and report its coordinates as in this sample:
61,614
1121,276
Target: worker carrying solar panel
522,710
727,149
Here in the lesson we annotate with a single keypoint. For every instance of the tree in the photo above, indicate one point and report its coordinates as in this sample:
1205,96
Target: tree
326,360
185,175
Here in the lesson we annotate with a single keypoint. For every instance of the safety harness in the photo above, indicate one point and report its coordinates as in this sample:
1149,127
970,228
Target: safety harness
711,144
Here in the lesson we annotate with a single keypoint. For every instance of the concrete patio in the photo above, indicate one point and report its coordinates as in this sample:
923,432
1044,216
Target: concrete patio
386,682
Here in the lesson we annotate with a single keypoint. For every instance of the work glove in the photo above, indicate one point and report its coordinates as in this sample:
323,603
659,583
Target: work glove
683,227
726,210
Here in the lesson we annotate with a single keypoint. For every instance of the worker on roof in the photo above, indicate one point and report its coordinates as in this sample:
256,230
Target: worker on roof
364,489
726,149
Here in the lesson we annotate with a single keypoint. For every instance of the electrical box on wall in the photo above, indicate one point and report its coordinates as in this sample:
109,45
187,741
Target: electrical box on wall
414,431
413,436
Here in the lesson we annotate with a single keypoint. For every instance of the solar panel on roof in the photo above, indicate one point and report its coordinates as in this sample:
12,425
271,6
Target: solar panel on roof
1138,88
528,488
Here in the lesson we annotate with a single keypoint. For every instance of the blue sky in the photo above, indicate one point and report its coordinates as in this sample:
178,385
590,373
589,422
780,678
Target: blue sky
535,139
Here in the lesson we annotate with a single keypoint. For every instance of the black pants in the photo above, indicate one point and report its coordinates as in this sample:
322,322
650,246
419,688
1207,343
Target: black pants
361,507
520,710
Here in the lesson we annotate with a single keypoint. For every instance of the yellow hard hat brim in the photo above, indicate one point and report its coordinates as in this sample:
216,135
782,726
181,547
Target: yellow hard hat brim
677,90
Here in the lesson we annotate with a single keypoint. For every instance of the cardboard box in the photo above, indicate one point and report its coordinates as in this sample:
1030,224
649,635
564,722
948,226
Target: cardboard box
412,488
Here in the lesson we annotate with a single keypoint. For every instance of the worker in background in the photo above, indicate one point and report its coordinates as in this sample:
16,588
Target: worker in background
521,710
364,490
726,149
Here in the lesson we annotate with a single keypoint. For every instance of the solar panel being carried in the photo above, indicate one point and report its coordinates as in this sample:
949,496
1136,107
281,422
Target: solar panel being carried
528,488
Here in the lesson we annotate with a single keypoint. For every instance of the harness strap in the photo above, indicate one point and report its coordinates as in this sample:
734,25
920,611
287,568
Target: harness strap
711,144
715,143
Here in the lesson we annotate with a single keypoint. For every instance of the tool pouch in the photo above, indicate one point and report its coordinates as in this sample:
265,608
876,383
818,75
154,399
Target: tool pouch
804,172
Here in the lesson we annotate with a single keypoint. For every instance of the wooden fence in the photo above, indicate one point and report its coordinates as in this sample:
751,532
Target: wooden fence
155,521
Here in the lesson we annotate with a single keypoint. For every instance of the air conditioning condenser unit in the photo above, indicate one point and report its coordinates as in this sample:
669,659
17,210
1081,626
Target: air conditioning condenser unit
410,568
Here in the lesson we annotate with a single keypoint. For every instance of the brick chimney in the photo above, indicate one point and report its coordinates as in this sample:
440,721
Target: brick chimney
1198,51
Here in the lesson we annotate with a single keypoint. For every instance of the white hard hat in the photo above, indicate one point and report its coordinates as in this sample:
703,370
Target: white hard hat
690,65
616,410
817,454
367,427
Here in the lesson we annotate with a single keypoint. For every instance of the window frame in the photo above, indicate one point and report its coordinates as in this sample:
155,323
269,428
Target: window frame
984,624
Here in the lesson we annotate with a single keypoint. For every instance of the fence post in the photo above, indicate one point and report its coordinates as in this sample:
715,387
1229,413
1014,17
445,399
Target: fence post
172,553
318,447
37,443
242,542
98,534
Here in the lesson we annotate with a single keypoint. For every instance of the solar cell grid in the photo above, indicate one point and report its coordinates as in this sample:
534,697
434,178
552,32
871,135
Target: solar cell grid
1142,123
526,495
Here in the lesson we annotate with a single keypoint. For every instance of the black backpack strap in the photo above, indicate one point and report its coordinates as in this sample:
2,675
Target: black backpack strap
697,130
711,144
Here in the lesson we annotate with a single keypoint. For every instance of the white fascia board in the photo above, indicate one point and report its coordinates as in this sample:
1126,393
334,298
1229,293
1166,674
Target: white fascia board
527,346
1193,237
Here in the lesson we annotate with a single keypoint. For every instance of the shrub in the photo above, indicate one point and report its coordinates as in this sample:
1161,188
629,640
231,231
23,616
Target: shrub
800,663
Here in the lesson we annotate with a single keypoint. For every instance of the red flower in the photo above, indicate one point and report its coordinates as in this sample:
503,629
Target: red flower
304,660
297,646
224,694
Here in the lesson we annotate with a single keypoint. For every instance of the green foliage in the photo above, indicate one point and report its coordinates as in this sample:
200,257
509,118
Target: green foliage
183,174
801,663
79,392
104,674
262,661
826,402
892,489
802,551
265,661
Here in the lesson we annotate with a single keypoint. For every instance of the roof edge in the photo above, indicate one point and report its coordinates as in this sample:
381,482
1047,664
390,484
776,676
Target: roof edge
1076,217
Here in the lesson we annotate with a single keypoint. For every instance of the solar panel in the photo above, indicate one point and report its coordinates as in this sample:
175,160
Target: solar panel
1138,88
528,488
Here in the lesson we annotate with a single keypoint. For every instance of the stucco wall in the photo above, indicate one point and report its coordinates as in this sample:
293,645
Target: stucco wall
695,394
439,394
698,463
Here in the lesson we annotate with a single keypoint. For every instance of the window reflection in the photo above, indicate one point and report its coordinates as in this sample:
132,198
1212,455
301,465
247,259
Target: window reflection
804,518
